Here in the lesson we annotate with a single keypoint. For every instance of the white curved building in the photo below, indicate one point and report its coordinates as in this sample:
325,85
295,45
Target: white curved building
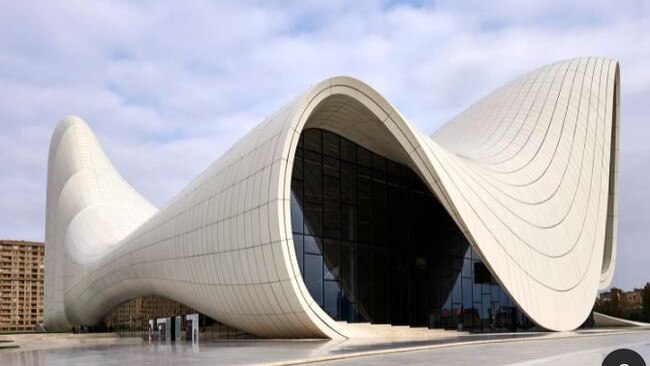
337,209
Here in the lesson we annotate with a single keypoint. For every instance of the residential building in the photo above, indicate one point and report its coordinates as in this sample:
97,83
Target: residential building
21,289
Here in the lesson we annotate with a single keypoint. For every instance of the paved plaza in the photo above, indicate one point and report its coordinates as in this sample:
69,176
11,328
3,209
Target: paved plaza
581,350
575,348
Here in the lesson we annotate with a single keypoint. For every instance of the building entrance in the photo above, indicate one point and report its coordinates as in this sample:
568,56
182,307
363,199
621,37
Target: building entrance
374,245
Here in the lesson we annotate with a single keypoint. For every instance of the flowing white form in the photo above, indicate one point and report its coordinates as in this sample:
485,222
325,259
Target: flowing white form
528,174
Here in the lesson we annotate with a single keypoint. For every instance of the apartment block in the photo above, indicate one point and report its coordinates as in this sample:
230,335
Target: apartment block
21,288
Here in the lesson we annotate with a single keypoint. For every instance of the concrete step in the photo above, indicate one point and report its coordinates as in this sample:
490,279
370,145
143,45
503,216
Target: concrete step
388,331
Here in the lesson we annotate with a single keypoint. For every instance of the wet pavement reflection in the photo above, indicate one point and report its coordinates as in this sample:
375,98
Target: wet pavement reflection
249,352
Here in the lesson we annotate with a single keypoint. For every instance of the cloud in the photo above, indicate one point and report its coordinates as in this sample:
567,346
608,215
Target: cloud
168,88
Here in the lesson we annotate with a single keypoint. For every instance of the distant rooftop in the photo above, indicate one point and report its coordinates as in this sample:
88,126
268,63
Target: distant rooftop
20,242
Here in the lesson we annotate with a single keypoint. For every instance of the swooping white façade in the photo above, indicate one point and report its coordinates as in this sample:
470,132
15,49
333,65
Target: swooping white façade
528,174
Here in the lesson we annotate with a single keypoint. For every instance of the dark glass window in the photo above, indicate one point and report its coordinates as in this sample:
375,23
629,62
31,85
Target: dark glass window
296,214
332,298
481,273
348,183
313,273
312,244
300,250
378,168
312,140
374,244
331,144
314,223
348,222
348,151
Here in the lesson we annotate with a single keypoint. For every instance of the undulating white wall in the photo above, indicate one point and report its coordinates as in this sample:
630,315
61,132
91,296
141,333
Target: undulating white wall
528,174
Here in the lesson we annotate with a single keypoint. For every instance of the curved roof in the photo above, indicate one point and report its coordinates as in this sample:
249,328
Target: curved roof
528,173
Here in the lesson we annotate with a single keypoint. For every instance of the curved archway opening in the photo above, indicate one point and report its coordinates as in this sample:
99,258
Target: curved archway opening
374,244
159,318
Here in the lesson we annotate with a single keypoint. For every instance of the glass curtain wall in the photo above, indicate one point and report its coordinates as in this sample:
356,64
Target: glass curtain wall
374,245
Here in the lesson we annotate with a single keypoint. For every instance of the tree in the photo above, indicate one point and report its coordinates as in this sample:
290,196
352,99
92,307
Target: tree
623,305
645,302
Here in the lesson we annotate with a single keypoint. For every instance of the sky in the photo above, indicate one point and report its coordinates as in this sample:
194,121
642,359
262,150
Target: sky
169,86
